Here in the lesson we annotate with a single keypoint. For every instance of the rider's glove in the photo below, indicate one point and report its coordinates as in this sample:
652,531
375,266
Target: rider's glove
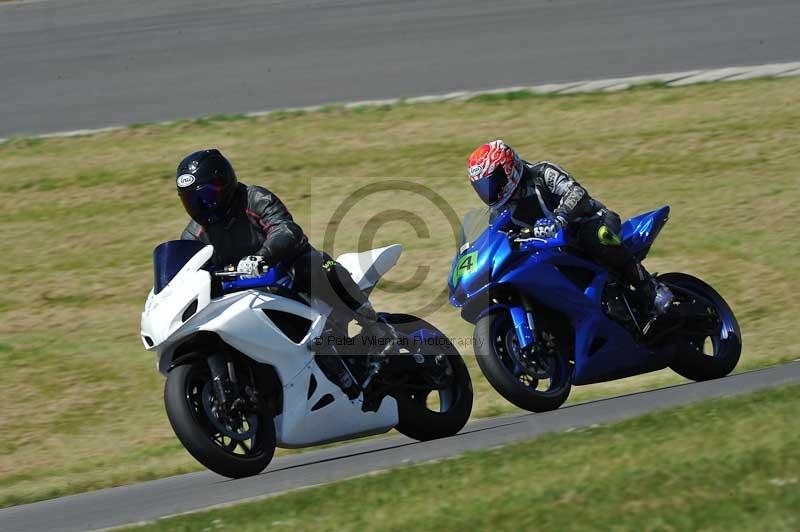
251,266
547,227
560,218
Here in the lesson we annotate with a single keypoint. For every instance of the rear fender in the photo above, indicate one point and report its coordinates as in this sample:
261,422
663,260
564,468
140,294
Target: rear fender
367,268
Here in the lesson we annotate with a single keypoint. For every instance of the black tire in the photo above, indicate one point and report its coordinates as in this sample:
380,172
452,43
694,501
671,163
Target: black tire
492,352
416,420
691,361
196,432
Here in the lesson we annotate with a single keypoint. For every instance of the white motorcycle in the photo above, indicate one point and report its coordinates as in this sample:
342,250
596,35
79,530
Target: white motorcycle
244,375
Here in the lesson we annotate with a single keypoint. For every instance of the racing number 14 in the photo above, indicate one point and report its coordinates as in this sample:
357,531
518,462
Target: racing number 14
465,264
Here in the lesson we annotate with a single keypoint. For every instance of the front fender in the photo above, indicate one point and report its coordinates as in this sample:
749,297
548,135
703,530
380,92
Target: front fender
479,312
489,298
494,298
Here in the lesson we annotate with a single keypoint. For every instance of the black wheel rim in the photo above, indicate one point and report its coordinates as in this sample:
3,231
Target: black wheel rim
715,347
438,401
236,435
706,346
545,375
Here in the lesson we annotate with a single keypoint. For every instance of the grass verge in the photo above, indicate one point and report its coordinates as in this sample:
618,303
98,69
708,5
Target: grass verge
724,464
82,401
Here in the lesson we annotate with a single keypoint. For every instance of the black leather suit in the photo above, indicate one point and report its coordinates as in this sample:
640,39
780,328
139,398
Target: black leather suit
260,224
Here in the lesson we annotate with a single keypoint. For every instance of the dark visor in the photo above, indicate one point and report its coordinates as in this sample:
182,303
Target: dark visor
203,203
489,188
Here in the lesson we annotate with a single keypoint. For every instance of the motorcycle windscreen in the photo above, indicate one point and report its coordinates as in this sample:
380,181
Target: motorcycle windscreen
169,258
473,224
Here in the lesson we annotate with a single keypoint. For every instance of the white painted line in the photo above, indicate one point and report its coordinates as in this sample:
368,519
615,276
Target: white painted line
795,72
593,86
82,132
423,99
554,88
675,79
433,98
503,90
309,109
627,83
764,71
17,3
717,74
616,84
371,103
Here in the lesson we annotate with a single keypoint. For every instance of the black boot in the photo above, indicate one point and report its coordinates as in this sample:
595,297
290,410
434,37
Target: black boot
335,369
332,365
382,336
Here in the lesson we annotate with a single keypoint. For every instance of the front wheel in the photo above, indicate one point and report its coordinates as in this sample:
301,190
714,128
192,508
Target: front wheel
538,384
429,411
234,446
710,354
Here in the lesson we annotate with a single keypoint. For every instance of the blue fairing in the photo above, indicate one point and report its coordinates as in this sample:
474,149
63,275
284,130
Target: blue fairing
489,265
639,232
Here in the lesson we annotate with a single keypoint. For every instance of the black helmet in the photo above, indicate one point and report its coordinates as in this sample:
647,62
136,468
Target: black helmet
206,184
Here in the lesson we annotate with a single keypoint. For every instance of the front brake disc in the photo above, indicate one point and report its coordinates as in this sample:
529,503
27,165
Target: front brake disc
226,427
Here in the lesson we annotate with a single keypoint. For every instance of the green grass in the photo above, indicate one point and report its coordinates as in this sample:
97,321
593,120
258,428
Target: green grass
724,464
82,405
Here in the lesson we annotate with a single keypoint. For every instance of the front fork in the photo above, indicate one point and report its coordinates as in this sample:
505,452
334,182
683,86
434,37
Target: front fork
522,318
523,326
219,376
225,383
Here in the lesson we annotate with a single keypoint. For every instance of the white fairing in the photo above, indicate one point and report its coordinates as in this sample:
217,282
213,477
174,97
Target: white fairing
240,320
366,268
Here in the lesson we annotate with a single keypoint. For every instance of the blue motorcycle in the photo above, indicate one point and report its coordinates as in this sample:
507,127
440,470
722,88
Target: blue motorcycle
547,317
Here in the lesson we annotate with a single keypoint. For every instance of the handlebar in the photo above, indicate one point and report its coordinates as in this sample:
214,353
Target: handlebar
245,283
232,281
560,239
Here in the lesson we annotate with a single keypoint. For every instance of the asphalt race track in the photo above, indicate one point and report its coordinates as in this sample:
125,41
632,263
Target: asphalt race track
168,496
92,63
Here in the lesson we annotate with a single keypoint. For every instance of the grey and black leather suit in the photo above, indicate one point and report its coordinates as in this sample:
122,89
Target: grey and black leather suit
260,224
548,191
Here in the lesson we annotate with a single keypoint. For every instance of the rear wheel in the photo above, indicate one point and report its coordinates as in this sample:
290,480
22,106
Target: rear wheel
536,383
233,445
704,355
425,412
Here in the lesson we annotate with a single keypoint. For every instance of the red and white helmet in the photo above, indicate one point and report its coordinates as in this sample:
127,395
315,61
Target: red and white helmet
494,170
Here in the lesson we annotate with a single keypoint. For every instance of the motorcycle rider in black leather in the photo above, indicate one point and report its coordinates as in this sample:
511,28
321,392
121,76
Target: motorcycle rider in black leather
543,197
249,226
